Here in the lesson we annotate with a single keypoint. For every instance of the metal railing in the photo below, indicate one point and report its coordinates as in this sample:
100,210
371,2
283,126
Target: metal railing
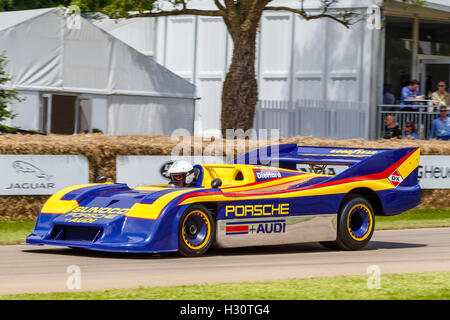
317,118
421,115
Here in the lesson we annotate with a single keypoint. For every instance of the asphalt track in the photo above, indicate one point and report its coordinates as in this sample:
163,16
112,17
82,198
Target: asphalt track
28,269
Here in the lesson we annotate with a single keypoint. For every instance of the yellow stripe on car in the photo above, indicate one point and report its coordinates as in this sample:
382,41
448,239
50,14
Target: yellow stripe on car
57,206
152,211
410,164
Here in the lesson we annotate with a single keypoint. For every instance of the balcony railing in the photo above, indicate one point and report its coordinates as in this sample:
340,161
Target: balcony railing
421,115
317,118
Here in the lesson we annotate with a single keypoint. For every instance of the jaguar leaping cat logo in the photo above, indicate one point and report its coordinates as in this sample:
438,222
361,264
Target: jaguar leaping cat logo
25,167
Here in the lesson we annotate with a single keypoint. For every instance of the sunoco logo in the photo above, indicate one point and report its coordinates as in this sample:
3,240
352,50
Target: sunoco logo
25,168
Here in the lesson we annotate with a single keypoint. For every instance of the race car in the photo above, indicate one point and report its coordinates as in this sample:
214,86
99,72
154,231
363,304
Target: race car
259,199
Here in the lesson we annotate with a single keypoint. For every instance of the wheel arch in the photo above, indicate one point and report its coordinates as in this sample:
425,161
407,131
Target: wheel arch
211,206
370,195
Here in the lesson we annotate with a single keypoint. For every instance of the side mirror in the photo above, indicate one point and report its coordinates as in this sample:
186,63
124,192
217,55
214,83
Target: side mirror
103,178
216,183
165,168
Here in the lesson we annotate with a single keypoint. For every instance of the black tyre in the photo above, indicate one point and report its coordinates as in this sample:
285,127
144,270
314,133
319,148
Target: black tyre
196,231
356,223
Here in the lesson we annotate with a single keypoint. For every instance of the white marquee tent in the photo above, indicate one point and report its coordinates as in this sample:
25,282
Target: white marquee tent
76,77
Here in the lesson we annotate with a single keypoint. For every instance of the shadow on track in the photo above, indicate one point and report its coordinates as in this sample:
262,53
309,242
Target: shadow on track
261,250
306,248
79,252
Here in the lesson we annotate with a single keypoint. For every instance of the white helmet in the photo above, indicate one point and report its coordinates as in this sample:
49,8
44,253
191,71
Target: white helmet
181,173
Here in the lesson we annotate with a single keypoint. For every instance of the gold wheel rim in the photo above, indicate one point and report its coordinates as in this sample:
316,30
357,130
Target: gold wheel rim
205,219
369,228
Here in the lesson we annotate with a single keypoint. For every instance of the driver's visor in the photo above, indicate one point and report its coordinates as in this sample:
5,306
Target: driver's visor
176,176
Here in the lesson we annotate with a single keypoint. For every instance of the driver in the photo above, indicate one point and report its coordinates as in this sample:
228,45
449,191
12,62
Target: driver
182,174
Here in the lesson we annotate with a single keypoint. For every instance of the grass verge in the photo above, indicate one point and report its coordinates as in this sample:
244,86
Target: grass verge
414,286
423,218
14,232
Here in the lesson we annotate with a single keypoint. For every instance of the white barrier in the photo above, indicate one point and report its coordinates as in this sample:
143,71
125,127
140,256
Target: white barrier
434,172
145,170
46,174
41,174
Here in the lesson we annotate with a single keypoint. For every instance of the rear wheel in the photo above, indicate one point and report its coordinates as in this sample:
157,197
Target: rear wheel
356,223
196,231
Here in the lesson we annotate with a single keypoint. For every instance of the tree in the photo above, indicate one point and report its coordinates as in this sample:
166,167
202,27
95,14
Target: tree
6,97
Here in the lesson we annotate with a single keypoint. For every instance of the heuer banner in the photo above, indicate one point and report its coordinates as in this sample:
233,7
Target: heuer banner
145,170
41,174
433,172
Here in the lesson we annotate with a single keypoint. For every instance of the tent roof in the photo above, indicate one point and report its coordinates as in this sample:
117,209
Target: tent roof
12,18
79,57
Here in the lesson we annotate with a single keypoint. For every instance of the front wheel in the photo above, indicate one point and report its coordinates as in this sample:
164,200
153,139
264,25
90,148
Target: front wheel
356,223
196,231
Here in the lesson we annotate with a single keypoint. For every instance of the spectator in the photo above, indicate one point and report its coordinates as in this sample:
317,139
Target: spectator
410,131
440,128
391,130
388,97
410,92
441,97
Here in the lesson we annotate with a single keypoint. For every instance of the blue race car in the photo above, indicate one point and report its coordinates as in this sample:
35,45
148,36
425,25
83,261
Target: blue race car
258,199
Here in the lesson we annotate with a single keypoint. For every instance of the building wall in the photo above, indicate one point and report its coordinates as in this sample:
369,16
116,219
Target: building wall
99,115
296,59
27,112
129,115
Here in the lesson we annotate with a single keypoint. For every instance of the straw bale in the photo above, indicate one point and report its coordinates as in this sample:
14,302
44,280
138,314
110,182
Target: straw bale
102,150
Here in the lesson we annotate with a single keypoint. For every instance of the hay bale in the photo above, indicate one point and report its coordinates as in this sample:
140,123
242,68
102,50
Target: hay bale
102,150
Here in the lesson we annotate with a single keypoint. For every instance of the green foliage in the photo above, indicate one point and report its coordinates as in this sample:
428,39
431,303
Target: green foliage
6,4
114,8
95,130
91,5
122,8
6,97
415,2
11,5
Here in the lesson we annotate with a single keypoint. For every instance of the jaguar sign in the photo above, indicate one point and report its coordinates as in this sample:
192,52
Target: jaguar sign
41,174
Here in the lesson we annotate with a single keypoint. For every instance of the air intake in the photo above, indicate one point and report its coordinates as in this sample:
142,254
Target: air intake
76,234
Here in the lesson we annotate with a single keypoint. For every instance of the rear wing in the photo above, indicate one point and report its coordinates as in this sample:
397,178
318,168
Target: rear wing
288,155
363,162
